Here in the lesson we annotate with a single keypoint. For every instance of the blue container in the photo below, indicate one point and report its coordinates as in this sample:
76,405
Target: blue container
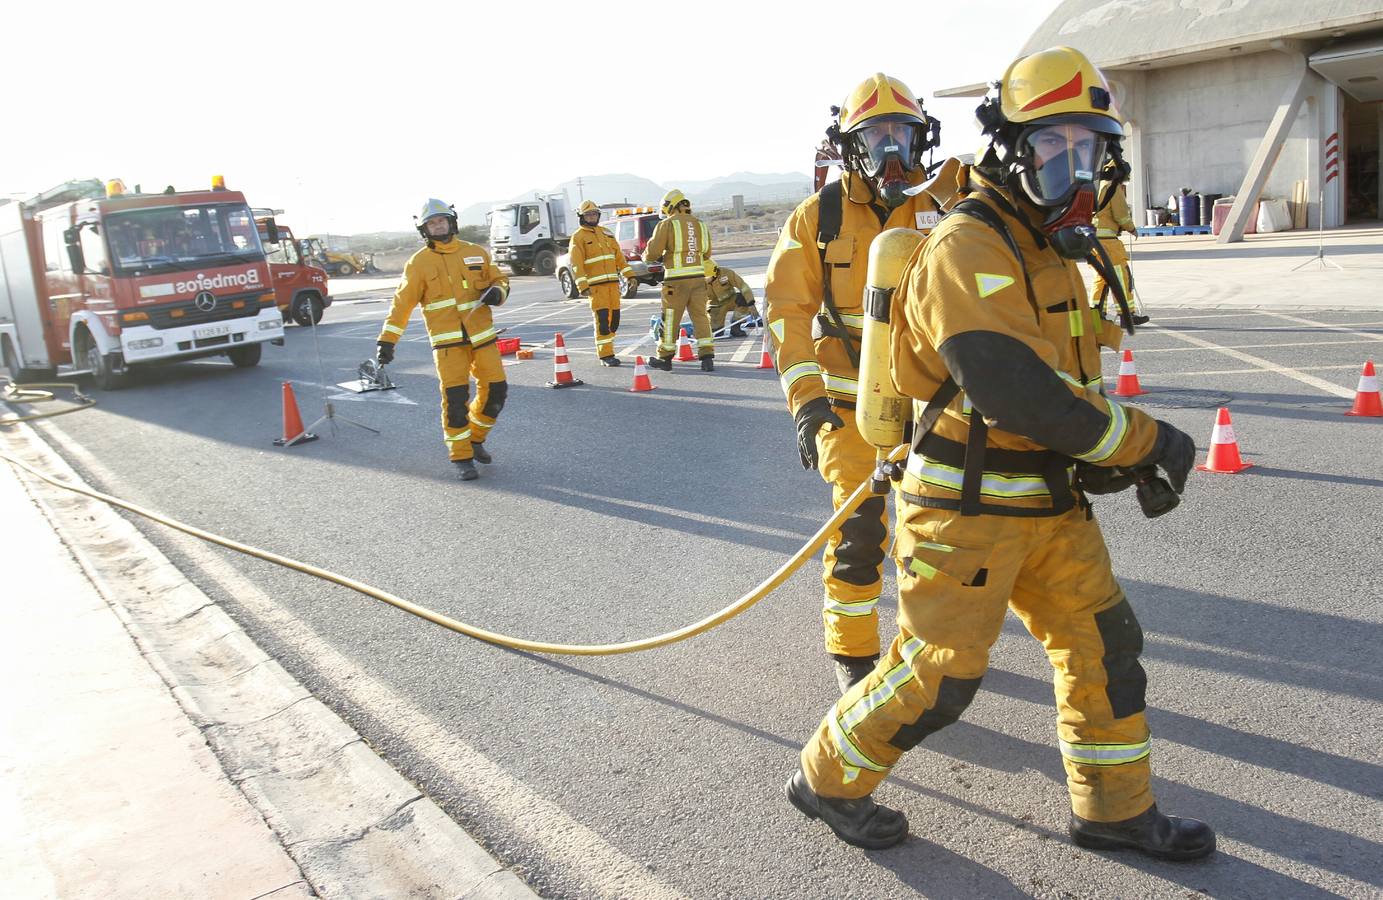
1189,207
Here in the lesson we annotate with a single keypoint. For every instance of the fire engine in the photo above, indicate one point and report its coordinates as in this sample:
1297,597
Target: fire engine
96,280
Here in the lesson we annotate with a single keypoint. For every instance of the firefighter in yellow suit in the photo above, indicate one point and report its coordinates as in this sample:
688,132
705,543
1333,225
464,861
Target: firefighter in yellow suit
985,338
597,262
729,295
683,245
881,133
456,284
1112,220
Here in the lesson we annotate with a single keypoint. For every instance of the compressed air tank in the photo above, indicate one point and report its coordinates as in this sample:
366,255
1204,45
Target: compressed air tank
880,411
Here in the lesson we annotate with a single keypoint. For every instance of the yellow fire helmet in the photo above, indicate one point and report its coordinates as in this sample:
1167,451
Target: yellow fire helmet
587,206
1061,82
877,96
671,200
881,132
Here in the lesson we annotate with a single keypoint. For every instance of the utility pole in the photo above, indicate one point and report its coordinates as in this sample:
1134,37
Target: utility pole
579,189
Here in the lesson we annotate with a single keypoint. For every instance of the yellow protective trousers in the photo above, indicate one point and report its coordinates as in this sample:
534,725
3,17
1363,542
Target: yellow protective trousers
956,578
605,311
1101,291
852,572
465,420
723,310
687,295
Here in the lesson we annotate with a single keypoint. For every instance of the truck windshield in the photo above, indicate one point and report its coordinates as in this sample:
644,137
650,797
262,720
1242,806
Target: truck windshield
182,237
504,217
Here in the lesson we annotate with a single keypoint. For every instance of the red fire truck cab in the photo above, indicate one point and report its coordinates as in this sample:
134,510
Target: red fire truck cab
100,281
301,288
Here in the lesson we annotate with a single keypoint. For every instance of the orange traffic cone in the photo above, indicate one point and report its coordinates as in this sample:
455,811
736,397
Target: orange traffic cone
766,355
1128,378
641,382
1224,449
684,348
1367,402
561,367
293,430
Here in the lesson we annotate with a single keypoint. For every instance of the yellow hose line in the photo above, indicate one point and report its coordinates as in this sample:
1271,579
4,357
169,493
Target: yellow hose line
808,549
25,393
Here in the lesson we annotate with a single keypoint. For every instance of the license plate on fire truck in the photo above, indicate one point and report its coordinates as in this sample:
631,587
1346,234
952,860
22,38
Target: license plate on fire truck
210,331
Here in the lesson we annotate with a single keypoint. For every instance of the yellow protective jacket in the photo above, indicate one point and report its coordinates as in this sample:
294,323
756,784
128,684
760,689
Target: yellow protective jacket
1030,364
682,243
596,258
725,285
810,363
1115,217
447,280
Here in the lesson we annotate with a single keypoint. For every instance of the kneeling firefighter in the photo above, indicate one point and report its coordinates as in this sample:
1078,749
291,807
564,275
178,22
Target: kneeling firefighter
731,298
812,308
1005,387
456,284
597,262
682,243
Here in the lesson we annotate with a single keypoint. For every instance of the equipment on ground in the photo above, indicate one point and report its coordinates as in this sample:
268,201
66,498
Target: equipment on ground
370,376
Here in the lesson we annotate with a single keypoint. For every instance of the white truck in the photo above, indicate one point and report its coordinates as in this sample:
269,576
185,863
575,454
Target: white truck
529,235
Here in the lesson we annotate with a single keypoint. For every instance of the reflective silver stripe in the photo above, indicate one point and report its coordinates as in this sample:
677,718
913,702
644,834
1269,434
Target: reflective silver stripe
627,271
482,420
581,282
440,304
852,321
459,436
1106,754
601,279
848,751
897,676
393,329
1106,232
705,342
792,374
842,385
467,306
992,484
601,342
850,608
669,340
596,259
684,272
480,336
447,336
1113,436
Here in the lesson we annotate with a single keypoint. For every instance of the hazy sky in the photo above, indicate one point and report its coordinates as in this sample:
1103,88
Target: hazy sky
350,119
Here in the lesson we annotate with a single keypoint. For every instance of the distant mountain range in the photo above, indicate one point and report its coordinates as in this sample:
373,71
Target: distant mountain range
639,191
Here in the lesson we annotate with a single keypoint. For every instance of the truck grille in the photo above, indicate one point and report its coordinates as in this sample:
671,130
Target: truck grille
161,317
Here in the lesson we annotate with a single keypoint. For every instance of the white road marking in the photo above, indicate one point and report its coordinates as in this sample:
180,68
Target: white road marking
1344,329
575,850
1207,345
746,347
1267,365
1239,372
679,514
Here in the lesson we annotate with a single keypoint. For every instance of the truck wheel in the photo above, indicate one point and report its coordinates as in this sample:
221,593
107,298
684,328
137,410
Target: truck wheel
628,287
307,309
345,268
103,367
246,356
568,283
545,263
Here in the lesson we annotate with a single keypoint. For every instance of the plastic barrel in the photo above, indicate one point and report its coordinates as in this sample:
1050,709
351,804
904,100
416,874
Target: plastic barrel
1208,207
1189,207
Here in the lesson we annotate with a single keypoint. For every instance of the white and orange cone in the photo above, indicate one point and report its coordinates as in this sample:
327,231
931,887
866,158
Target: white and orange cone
561,367
1367,401
641,380
1224,449
1128,385
293,430
766,355
684,348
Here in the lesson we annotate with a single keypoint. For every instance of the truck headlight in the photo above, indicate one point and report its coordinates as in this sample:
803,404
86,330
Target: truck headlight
146,343
269,325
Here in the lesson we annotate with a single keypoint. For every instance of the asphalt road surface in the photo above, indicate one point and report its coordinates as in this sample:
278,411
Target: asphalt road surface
609,515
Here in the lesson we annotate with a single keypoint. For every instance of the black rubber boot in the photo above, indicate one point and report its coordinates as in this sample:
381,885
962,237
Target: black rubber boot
480,454
1140,320
861,822
466,468
736,331
850,669
609,361
1165,837
708,364
657,362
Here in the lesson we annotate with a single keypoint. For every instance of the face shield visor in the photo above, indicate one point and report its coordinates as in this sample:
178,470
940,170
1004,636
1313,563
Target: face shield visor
884,141
1060,160
591,218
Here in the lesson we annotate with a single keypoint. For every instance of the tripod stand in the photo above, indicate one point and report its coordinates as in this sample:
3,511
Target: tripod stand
329,413
1320,248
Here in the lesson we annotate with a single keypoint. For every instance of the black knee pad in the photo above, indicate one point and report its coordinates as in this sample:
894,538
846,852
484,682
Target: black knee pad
1123,643
499,391
953,695
602,319
614,320
860,552
457,398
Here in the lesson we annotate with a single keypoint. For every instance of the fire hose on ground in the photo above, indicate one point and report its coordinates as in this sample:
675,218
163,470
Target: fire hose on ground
762,590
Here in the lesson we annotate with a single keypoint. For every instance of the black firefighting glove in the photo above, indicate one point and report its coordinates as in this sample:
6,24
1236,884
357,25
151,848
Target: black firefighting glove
1174,452
493,296
809,418
739,299
385,353
1103,479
